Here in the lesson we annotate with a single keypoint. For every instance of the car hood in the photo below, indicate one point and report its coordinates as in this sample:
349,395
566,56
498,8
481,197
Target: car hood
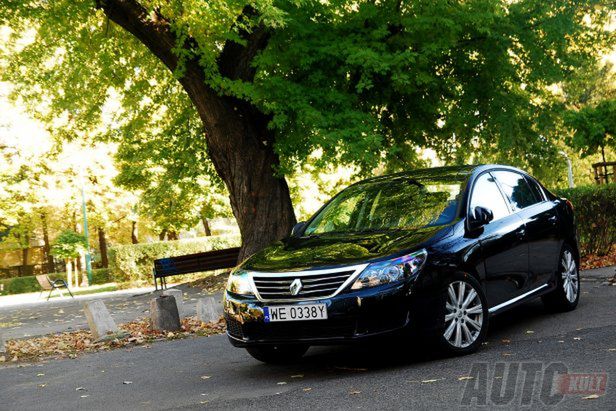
329,250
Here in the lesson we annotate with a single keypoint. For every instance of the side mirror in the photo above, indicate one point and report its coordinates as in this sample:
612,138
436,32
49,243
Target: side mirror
297,228
481,216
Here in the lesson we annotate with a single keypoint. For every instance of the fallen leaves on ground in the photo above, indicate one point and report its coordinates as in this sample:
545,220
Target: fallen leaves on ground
430,381
70,344
465,377
591,397
597,261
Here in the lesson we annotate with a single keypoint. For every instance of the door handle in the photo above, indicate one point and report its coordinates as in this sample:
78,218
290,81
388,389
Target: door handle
521,233
553,220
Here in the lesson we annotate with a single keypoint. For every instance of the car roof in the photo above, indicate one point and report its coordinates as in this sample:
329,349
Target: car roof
457,173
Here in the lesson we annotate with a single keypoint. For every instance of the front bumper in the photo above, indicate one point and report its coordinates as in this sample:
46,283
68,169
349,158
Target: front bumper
351,316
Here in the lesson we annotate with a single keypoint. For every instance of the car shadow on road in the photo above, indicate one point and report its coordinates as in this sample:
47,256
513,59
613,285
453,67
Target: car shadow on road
403,352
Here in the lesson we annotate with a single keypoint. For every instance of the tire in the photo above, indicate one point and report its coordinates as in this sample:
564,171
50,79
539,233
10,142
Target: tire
278,354
465,316
567,293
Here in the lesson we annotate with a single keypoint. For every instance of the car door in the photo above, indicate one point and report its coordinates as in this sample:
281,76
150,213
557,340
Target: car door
541,220
503,247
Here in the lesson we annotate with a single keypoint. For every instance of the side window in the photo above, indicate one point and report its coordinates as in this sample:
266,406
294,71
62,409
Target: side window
486,194
517,189
536,189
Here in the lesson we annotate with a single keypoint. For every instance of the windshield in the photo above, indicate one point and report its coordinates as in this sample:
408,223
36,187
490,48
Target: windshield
399,203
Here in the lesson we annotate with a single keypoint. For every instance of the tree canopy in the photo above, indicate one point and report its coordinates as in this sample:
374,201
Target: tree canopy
69,244
595,127
259,87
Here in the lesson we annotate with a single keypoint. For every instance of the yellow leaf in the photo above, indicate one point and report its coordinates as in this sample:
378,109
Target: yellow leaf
591,397
354,392
205,377
466,377
298,376
307,389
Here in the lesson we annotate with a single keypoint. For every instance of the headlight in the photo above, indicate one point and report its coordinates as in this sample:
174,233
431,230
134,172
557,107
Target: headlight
391,271
239,283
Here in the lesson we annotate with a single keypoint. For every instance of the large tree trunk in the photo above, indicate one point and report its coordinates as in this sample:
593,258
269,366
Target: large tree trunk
50,266
238,141
102,247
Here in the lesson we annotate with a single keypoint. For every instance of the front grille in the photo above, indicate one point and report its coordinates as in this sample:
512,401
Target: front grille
276,287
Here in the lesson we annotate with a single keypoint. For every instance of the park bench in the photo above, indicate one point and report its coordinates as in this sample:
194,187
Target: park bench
193,263
47,284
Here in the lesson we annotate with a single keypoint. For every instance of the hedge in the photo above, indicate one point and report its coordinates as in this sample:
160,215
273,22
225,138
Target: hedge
28,284
595,212
134,262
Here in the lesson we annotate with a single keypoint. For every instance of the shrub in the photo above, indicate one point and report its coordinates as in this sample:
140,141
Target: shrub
69,244
134,262
28,284
595,212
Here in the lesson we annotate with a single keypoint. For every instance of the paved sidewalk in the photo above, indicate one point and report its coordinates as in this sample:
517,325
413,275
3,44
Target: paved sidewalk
66,314
603,273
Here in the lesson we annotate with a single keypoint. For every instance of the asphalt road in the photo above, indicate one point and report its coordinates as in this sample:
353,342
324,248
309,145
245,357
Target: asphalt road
209,373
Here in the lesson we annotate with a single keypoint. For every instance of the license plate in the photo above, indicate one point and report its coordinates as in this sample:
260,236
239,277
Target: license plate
295,312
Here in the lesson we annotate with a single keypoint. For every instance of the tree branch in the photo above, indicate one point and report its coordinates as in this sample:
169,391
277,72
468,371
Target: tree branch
153,31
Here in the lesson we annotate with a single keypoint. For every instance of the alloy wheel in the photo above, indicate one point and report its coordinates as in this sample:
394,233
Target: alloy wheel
569,276
464,314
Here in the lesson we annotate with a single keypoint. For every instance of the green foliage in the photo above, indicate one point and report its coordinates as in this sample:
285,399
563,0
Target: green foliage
29,284
134,262
595,127
594,212
364,82
69,244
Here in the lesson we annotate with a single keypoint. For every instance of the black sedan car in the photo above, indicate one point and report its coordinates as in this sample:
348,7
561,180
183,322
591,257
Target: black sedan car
437,251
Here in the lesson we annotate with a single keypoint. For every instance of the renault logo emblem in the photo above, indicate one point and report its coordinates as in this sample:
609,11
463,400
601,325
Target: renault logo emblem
296,286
